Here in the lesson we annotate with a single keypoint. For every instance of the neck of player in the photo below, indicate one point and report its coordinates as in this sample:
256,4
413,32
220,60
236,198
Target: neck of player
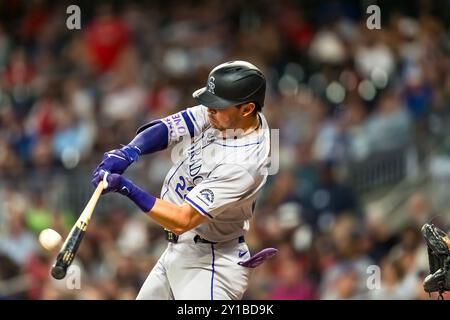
246,126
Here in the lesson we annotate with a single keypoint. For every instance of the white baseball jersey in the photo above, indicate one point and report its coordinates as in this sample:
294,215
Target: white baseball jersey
219,178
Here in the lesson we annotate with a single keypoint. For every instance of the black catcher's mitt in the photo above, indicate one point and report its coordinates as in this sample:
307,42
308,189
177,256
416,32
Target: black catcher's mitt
439,259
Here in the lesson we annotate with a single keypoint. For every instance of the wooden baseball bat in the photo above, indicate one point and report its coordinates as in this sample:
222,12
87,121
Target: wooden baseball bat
70,246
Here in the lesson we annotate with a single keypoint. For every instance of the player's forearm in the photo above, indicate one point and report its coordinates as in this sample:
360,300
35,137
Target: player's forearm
178,219
175,218
152,139
158,135
171,217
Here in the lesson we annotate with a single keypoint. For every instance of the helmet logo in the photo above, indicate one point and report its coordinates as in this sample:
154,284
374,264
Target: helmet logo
211,84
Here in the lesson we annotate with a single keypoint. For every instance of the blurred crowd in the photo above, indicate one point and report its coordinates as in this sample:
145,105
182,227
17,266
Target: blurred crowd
339,92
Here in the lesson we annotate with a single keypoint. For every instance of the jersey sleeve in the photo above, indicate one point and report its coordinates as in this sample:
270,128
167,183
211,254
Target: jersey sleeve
225,185
186,123
199,118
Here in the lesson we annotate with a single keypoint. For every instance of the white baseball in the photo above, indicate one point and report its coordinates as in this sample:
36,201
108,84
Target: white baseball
49,239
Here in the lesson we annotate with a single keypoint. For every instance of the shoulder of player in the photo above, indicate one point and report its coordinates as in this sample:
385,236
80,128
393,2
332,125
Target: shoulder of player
197,111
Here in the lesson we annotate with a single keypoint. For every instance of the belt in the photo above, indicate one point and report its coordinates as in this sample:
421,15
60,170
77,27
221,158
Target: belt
172,237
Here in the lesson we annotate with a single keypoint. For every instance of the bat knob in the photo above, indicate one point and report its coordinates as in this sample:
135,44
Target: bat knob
58,272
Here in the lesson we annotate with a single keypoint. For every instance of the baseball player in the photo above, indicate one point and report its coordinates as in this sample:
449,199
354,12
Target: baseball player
208,196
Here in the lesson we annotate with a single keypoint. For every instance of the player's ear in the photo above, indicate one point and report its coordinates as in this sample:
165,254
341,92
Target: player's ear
247,109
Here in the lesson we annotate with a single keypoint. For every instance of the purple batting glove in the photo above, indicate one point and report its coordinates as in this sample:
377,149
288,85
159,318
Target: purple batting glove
116,161
120,184
115,181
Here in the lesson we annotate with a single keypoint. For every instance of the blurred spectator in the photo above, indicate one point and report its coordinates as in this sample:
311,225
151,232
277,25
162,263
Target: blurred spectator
344,285
9,271
5,46
106,38
390,126
38,217
381,238
10,164
19,243
292,283
419,210
390,282
331,198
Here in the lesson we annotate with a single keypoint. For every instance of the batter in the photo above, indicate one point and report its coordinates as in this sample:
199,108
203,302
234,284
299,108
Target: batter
208,197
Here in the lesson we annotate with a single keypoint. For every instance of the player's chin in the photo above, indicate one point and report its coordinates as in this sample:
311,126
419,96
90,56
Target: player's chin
215,125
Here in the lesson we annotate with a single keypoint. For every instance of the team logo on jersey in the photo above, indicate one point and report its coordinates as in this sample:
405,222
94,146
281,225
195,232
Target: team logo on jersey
208,195
211,84
210,137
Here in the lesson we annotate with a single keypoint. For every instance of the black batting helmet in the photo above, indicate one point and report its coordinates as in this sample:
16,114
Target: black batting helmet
232,83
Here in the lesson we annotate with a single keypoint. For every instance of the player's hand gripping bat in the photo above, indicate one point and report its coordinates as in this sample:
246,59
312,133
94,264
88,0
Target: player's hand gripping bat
73,240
